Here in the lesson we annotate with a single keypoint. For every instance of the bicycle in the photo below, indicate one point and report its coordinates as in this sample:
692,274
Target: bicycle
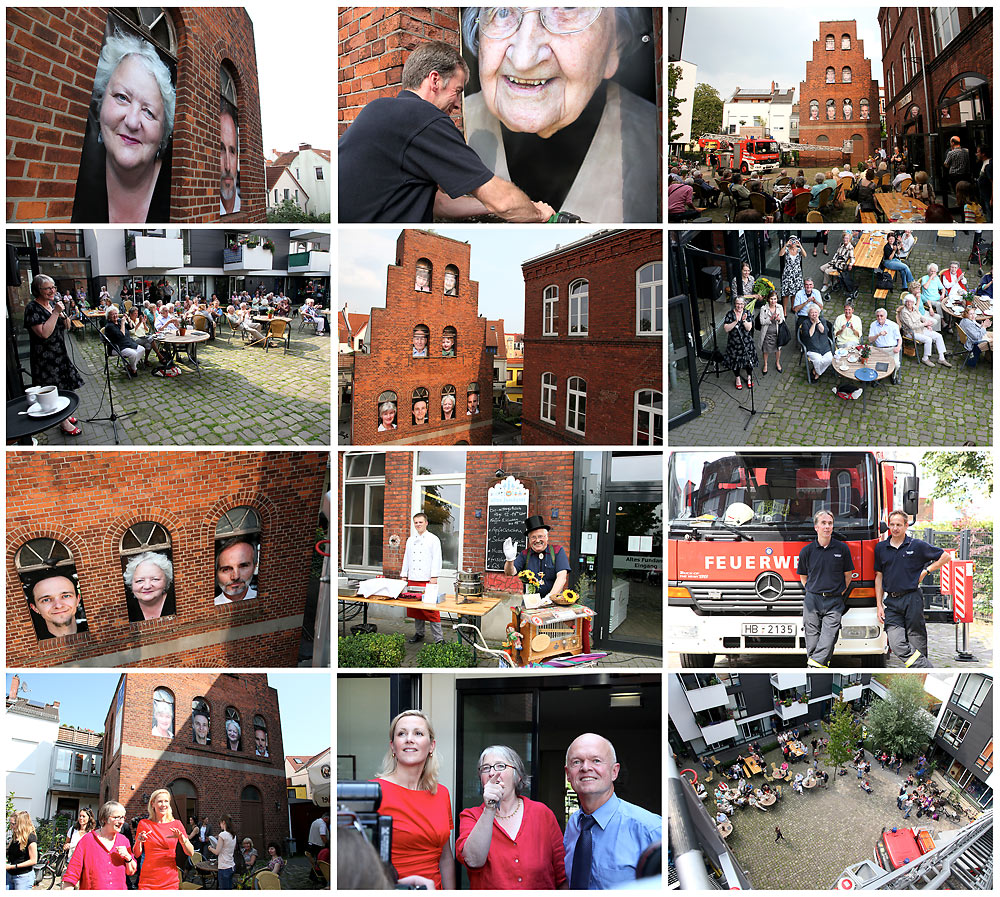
50,868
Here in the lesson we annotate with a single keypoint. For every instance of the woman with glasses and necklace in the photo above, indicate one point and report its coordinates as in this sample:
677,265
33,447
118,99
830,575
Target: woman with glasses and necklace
103,858
510,843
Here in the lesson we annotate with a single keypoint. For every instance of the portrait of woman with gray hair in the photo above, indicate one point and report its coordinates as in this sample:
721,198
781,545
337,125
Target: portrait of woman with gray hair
124,169
510,843
149,581
552,114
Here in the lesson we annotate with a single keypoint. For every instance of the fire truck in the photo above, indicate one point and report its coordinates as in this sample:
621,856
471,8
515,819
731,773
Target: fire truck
737,522
750,154
899,846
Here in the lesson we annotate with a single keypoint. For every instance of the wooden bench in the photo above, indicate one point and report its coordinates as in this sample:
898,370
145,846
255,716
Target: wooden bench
882,294
868,218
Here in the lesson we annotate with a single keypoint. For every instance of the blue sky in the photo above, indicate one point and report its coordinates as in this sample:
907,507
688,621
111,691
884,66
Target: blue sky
84,698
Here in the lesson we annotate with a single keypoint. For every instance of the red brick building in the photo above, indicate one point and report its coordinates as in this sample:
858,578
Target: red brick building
87,512
209,779
953,46
838,100
52,57
427,290
593,342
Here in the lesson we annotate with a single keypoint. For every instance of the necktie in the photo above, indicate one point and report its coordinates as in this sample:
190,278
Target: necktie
583,855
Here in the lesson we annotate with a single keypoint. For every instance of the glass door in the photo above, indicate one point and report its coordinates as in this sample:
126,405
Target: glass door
682,374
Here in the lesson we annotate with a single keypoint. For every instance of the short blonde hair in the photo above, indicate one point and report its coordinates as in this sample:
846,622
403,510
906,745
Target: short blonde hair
170,809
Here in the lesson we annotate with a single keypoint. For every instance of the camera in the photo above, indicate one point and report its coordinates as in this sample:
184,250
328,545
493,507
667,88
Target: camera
357,807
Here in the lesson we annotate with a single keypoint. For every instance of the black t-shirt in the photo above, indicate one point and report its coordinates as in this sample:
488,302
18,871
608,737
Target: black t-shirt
824,568
396,154
17,855
114,334
900,567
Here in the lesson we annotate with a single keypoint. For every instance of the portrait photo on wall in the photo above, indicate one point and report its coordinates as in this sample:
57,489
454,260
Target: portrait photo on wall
54,600
562,101
125,164
163,713
149,585
229,149
201,722
236,564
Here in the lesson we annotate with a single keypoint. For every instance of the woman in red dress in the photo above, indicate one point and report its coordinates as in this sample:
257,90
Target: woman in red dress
510,843
156,839
420,807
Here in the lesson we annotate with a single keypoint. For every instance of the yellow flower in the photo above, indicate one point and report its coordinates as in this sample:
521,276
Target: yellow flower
570,596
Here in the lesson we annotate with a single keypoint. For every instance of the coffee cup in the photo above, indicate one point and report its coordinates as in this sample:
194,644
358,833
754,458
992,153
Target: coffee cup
48,398
32,393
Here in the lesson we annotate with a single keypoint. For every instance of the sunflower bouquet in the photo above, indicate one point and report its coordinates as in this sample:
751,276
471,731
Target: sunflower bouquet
532,581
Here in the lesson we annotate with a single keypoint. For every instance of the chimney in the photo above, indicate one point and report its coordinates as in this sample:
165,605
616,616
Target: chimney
304,146
774,85
15,687
55,704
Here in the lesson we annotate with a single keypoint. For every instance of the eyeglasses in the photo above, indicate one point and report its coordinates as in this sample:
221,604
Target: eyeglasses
503,21
487,768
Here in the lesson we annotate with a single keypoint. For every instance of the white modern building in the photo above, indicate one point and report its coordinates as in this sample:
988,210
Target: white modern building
769,110
309,167
31,730
685,92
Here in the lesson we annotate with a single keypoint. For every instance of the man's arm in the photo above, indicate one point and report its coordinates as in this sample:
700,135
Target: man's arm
879,608
510,202
939,563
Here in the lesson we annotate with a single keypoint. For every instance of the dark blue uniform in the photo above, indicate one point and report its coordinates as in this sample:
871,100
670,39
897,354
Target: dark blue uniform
905,626
548,564
824,605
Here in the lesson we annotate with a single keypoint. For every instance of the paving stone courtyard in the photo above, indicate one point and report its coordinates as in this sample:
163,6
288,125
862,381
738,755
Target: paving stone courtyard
931,406
825,830
244,396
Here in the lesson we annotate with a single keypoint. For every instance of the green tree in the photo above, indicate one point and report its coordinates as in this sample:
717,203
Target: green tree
844,734
706,111
288,212
900,724
673,103
960,475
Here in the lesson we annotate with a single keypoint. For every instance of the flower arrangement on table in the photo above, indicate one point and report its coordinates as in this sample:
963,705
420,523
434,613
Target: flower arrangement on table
532,581
864,351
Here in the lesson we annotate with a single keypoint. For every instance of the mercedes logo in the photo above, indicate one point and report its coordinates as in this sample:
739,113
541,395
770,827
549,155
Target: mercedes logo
769,586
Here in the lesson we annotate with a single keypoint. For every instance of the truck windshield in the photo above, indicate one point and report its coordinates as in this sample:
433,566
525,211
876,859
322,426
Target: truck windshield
762,147
780,489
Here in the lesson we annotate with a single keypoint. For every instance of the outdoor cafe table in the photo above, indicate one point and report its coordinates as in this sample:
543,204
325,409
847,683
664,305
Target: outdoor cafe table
751,766
810,783
849,370
94,316
22,427
725,829
264,319
187,344
868,252
768,800
207,869
982,304
897,207
797,748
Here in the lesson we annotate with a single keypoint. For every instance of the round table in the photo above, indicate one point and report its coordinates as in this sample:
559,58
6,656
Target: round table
21,427
207,868
984,309
188,344
849,369
813,784
768,800
725,829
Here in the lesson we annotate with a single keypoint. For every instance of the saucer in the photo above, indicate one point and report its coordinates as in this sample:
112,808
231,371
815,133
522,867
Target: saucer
852,358
60,405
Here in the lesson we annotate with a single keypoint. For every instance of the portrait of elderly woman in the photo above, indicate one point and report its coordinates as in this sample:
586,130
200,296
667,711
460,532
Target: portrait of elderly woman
125,164
553,113
149,586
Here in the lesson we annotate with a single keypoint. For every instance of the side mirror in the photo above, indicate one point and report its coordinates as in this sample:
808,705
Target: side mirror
911,495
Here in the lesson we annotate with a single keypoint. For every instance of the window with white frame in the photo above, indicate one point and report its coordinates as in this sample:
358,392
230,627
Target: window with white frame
550,296
647,423
548,411
845,42
576,405
985,759
911,44
579,308
439,491
944,24
364,510
831,43
649,299
971,690
953,728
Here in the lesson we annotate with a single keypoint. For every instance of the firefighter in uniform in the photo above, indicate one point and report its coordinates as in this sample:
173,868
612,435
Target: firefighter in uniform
824,567
901,563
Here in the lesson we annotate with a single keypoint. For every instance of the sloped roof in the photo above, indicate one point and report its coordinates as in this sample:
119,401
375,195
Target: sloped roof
495,337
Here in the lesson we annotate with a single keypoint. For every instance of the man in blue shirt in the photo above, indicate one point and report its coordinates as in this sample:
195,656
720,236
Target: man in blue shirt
884,333
606,838
539,557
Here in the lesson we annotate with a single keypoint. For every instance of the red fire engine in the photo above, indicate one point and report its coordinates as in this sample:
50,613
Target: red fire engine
750,154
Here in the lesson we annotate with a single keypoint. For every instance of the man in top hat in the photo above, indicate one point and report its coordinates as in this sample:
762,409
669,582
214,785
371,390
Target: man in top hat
539,557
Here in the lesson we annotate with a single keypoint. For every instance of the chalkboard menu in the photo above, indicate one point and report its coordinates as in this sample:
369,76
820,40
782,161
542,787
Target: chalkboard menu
507,510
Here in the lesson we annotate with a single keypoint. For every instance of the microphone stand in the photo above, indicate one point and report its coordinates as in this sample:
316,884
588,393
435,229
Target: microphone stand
112,416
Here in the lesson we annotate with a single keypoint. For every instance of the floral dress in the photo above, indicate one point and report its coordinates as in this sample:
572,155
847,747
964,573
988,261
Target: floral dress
740,350
791,276
50,365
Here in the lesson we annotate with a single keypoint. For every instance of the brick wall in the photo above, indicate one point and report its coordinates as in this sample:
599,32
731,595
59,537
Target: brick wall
217,774
391,365
814,87
87,500
612,359
51,61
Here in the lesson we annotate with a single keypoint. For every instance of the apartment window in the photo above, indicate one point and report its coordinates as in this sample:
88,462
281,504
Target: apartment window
831,43
439,492
296,195
649,299
944,24
953,728
740,710
985,760
287,196
971,690
576,405
550,296
297,175
647,419
319,173
364,510
845,42
579,308
548,411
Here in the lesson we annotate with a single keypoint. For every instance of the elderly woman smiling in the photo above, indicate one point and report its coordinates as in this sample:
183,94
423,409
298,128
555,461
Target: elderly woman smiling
547,116
133,107
149,576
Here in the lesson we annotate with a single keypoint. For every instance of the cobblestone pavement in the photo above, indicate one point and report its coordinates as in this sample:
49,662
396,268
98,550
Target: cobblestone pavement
825,830
932,406
244,396
940,643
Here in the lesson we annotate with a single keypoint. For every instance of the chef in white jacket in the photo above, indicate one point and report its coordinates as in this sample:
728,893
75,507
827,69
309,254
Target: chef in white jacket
422,565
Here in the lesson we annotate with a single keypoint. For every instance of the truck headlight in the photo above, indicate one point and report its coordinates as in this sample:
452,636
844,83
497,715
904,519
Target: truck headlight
860,632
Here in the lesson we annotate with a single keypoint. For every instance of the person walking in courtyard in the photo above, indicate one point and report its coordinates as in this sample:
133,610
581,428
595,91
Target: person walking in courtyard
777,834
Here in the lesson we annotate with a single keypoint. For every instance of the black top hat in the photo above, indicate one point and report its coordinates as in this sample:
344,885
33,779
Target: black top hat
535,522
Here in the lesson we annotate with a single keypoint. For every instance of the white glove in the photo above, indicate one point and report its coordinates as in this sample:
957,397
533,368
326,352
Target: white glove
509,550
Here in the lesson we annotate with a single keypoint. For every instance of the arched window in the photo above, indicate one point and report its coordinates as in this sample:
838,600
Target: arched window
152,23
548,407
148,572
448,402
237,555
911,46
421,340
472,399
449,342
831,74
576,405
864,113
450,280
831,110
579,308
385,411
422,277
966,97
260,736
229,142
845,42
845,74
48,576
163,713
649,299
550,296
814,110
892,81
647,427
831,42
822,138
848,110
201,721
185,799
420,406
234,730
